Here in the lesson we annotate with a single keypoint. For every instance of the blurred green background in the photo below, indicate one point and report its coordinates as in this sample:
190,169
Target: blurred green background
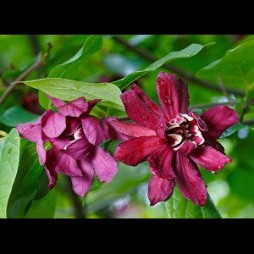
232,189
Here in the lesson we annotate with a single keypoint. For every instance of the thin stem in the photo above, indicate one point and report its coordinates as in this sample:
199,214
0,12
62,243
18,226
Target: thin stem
79,209
34,44
212,104
38,63
186,75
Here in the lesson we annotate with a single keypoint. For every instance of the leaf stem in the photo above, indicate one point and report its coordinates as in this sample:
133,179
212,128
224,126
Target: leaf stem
179,71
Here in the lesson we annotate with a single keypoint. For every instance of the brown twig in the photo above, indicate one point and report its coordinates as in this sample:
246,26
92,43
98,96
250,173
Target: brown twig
79,209
38,63
186,75
34,44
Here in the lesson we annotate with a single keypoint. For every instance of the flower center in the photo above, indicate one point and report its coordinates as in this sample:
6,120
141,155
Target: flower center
183,128
78,134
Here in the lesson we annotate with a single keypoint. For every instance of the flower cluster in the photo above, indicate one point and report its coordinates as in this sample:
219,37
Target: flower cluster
172,138
75,137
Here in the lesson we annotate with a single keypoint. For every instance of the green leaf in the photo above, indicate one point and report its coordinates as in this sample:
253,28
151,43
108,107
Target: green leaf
29,182
16,115
236,68
179,207
68,90
232,130
96,184
44,100
70,68
9,161
187,52
43,208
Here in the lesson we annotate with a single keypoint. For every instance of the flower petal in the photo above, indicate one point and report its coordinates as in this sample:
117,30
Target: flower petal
95,130
139,113
209,158
186,147
161,162
159,189
41,152
134,151
201,123
74,108
91,104
215,144
53,124
80,149
60,142
218,119
50,167
81,185
30,131
105,165
189,180
67,165
72,124
173,94
56,102
125,131
86,167
160,131
149,103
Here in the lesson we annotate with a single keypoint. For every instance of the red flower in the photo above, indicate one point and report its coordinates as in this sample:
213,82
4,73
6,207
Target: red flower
172,139
75,137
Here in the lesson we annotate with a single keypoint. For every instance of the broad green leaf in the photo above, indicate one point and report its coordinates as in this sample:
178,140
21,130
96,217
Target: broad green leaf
68,90
29,182
236,68
232,130
187,52
70,68
44,100
9,161
17,115
44,207
179,207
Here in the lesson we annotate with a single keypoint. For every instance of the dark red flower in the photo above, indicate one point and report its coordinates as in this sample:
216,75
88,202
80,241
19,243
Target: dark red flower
172,139
75,137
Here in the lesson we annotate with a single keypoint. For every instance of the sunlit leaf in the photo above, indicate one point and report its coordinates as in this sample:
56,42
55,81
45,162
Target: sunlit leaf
235,69
68,90
71,67
29,181
9,161
187,52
